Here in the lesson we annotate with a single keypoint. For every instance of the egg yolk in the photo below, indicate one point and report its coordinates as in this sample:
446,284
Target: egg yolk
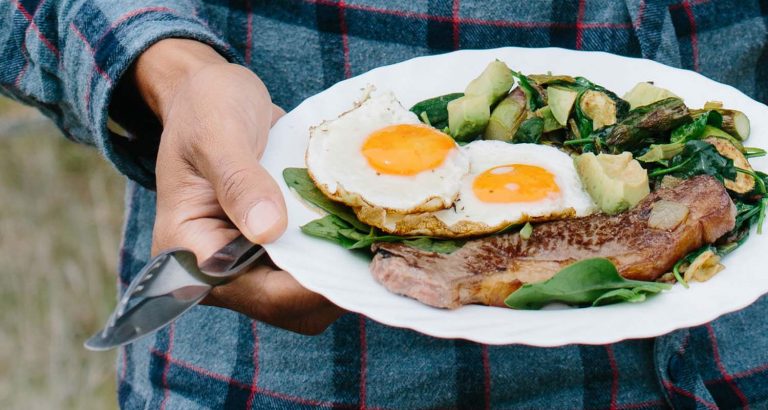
407,149
515,183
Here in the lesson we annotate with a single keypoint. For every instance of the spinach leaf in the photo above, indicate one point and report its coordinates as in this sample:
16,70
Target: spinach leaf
698,129
661,152
337,230
530,131
698,157
433,245
534,97
745,212
299,180
425,243
747,215
342,226
583,122
588,282
632,295
334,229
434,111
695,129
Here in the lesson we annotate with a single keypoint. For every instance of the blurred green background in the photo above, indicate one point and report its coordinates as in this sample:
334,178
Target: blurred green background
61,208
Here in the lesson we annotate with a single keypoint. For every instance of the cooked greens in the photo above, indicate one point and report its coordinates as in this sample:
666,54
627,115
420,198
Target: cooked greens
434,111
589,282
687,259
650,124
697,158
695,129
530,131
533,94
299,180
647,124
342,226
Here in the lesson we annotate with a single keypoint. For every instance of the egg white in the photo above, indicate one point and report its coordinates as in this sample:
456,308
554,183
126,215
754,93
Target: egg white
470,216
335,161
484,155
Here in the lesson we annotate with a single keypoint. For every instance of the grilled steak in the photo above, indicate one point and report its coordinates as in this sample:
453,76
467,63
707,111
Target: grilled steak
486,270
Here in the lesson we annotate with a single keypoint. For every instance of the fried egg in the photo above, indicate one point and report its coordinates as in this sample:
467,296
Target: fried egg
379,155
507,184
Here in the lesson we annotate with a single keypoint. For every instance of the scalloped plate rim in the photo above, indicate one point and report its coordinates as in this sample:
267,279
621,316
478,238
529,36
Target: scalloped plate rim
288,256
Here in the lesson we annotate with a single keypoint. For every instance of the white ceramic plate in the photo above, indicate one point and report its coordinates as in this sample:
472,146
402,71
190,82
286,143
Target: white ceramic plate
343,277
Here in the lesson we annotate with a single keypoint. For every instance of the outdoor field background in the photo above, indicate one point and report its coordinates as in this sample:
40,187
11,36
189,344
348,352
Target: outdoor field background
61,208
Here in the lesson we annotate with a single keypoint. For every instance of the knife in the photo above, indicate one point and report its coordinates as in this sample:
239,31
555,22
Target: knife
169,285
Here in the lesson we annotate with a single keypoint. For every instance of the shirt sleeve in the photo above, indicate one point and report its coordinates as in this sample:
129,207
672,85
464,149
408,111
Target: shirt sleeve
66,58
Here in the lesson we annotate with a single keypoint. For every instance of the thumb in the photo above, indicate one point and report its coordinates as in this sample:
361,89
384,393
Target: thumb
246,192
252,200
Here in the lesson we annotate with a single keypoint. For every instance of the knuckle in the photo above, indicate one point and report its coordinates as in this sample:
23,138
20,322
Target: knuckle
219,294
233,185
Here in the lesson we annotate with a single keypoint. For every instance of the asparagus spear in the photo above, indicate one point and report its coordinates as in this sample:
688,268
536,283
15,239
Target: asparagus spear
507,116
647,121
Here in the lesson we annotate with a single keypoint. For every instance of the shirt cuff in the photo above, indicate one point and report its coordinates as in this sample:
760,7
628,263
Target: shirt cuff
135,155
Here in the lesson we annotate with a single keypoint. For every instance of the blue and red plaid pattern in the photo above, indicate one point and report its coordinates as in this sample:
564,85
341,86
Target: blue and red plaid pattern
67,58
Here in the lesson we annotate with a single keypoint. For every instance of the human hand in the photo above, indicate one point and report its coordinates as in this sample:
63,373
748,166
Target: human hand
210,187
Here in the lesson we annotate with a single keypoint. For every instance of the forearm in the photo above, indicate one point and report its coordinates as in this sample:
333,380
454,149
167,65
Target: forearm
68,57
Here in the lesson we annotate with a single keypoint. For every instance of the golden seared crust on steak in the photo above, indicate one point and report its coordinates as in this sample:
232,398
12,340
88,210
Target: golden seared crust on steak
486,270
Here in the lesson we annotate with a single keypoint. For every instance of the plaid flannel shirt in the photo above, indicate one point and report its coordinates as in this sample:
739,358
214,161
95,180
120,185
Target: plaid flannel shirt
66,57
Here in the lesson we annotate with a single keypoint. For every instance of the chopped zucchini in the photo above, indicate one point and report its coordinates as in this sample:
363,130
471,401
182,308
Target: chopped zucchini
743,183
710,131
735,122
599,107
468,116
646,93
659,152
560,102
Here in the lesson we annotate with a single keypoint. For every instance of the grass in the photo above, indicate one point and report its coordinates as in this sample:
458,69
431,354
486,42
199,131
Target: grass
60,216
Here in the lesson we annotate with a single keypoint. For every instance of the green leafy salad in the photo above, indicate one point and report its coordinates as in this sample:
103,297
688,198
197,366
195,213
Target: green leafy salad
623,148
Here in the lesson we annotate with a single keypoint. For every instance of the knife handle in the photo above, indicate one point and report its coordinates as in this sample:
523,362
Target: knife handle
230,260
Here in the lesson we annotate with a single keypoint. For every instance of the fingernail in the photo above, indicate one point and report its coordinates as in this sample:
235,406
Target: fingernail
262,217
